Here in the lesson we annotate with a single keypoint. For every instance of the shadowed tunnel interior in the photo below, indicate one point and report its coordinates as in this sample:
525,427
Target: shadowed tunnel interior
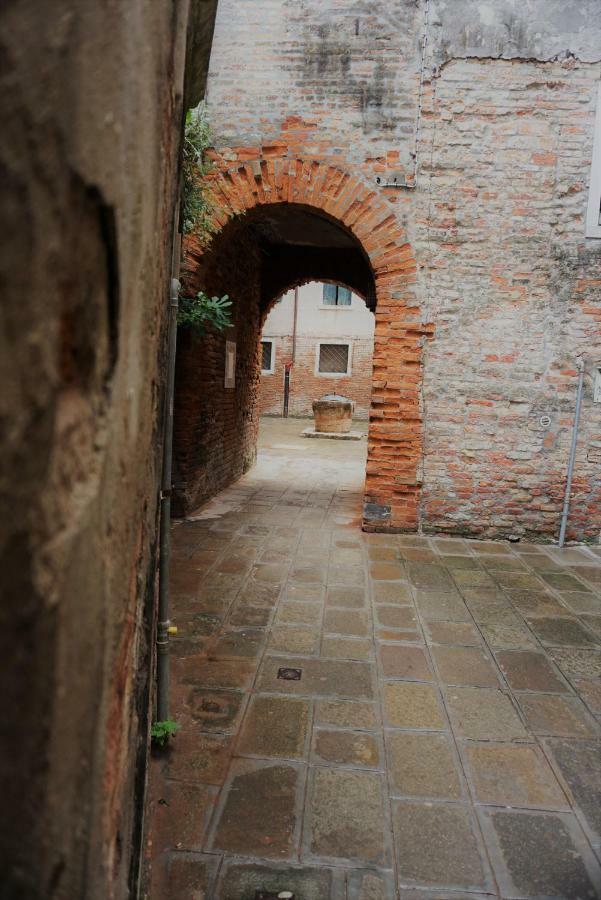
254,259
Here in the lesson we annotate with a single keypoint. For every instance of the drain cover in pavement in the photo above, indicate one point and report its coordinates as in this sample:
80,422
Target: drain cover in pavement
289,675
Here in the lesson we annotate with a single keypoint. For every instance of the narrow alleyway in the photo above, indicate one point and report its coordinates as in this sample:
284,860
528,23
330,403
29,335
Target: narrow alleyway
372,716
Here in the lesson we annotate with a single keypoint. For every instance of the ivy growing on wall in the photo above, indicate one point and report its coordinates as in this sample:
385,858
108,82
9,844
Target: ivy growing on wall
199,312
197,207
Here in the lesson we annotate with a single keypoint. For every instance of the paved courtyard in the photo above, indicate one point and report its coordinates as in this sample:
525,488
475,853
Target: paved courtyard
366,717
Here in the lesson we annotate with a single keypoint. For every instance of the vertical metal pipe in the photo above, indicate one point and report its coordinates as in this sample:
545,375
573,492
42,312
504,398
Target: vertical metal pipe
572,457
286,390
294,324
165,516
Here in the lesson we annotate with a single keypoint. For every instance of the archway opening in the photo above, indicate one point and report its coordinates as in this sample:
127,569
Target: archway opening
272,252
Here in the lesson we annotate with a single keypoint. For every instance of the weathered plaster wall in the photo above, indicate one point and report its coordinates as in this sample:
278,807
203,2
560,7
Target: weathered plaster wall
91,106
506,276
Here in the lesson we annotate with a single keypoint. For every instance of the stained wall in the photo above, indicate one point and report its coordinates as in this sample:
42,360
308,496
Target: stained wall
495,104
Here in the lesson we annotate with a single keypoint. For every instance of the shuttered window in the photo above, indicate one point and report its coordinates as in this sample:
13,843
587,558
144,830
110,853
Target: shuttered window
334,295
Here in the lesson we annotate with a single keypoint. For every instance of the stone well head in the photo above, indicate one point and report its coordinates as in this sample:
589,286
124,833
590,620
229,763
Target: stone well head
333,413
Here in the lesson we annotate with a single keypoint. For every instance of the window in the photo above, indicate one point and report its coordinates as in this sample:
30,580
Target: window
334,295
593,212
267,357
333,359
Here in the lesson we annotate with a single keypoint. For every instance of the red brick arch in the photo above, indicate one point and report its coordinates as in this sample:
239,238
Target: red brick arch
395,431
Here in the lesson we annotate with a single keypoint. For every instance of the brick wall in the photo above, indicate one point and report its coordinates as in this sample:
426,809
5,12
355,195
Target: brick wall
215,428
306,385
316,322
505,277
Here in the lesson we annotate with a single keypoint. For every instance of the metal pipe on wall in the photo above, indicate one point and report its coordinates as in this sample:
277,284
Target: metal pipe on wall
572,457
165,516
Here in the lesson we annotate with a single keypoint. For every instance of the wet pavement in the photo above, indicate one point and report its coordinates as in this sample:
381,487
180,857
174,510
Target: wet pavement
366,717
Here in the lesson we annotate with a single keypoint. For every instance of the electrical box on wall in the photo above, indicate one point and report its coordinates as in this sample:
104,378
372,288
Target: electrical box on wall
597,385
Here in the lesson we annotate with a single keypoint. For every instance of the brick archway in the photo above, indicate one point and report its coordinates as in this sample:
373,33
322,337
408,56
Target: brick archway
392,486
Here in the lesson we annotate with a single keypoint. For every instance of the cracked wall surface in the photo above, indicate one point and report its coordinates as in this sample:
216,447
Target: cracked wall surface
498,100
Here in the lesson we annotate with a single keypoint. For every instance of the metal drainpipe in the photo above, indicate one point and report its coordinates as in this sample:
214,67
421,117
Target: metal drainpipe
572,457
165,516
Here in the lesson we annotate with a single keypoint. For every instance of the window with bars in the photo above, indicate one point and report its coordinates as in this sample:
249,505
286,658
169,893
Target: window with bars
334,295
267,356
333,359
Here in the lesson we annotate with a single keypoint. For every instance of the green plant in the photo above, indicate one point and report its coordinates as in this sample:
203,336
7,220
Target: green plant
160,732
201,311
197,213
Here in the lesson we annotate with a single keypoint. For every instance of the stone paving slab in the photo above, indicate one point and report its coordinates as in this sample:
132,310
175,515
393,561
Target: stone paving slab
540,855
438,712
346,817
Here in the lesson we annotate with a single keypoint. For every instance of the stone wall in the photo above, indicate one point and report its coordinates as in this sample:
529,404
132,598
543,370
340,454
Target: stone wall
496,102
91,102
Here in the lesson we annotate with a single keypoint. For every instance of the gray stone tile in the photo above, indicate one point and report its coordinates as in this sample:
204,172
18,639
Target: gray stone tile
434,605
526,670
320,677
523,839
351,748
454,633
342,621
465,665
461,562
275,727
241,880
429,577
187,875
203,709
396,617
436,844
473,578
346,714
346,647
535,603
422,764
412,705
518,580
346,817
370,884
500,562
401,661
484,714
348,575
589,690
579,763
346,597
511,636
392,592
252,787
293,639
557,715
561,632
562,581
298,612
386,571
580,602
513,775
578,663
199,758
